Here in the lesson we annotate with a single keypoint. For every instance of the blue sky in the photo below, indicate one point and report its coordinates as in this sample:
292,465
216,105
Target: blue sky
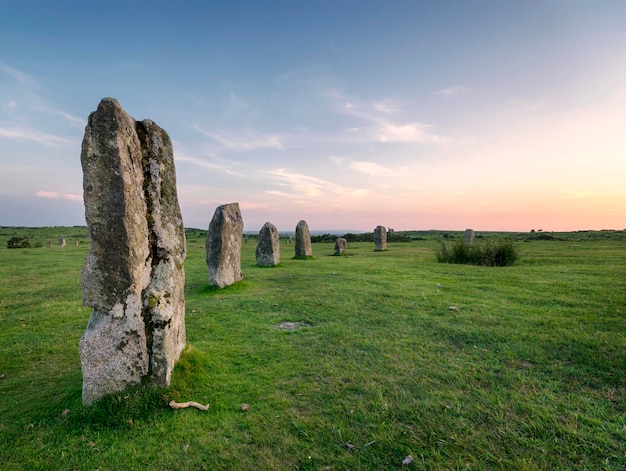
495,115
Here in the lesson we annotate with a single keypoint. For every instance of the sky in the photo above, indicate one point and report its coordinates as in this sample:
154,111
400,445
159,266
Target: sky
415,115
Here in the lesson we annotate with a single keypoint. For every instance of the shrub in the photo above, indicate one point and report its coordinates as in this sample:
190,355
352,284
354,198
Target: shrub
18,243
501,253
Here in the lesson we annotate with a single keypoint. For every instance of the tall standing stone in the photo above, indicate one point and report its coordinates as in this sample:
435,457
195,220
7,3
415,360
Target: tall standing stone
380,238
268,248
340,245
468,237
303,240
133,276
223,246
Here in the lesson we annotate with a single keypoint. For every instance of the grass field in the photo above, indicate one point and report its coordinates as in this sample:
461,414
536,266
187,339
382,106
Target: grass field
527,372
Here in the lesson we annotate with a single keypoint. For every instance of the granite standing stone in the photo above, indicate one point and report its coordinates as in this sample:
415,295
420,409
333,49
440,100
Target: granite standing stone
223,246
303,240
340,245
468,237
133,276
380,238
268,248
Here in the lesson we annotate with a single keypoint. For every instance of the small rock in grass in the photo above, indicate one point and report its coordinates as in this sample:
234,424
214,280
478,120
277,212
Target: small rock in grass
453,308
245,407
407,461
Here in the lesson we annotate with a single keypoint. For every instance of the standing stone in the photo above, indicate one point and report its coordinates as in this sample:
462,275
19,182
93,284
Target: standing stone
268,248
340,246
49,243
133,276
223,246
380,238
303,240
468,237
62,242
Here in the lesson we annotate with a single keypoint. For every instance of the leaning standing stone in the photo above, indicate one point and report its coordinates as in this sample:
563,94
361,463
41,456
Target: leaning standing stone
223,246
468,237
380,238
303,240
268,248
340,246
133,277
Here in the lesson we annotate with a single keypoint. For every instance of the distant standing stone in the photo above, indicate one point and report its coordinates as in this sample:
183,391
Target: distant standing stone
133,277
303,240
380,238
62,242
223,246
268,248
49,243
340,245
468,237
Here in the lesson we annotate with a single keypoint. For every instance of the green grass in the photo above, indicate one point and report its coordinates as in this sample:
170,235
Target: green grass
528,373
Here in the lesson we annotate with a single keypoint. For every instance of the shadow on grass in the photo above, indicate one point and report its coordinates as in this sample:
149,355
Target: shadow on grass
136,405
209,290
142,404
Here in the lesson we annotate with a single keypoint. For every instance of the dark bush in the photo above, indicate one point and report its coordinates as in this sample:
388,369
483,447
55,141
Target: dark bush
365,237
501,253
18,243
323,238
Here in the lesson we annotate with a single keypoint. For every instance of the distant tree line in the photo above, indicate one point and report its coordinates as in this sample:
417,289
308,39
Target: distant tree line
363,237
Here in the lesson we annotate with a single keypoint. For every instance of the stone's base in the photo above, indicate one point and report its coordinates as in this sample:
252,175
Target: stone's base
340,246
113,353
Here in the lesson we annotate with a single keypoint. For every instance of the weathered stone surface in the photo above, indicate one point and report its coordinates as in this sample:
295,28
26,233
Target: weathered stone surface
340,245
268,248
380,238
223,246
62,242
303,240
133,277
468,237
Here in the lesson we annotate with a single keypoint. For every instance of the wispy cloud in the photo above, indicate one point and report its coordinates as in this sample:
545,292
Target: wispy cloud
300,185
371,168
244,139
386,106
452,91
368,168
384,128
219,166
19,77
33,135
410,132
55,195
73,120
236,107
